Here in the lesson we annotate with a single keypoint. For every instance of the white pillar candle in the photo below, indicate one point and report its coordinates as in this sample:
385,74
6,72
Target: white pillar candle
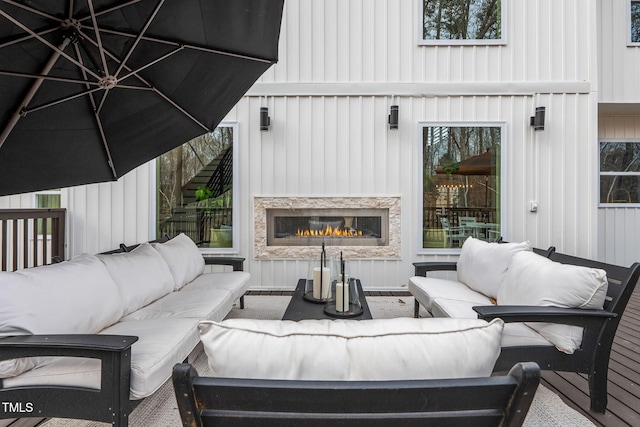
342,296
321,288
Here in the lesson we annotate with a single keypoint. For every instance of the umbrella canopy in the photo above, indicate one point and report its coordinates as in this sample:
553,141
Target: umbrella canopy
91,89
482,164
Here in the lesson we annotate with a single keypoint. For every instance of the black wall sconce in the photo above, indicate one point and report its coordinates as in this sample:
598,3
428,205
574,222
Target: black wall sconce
537,121
265,120
393,117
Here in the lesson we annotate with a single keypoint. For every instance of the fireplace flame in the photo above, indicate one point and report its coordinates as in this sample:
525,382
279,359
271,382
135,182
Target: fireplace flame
329,231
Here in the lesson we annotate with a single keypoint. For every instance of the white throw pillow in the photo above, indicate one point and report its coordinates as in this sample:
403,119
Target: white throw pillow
379,349
535,280
183,257
72,297
482,265
142,276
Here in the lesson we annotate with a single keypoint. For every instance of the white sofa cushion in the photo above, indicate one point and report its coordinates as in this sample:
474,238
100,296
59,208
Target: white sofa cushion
72,297
379,349
202,304
142,276
236,282
535,280
161,344
426,289
513,334
482,265
183,258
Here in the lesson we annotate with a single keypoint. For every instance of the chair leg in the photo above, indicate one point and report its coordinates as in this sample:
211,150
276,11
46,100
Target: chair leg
598,391
416,308
242,301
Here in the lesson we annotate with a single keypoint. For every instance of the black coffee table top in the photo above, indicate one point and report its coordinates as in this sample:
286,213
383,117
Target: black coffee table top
299,308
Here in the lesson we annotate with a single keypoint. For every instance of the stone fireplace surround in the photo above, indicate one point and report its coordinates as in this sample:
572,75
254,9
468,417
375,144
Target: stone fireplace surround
263,251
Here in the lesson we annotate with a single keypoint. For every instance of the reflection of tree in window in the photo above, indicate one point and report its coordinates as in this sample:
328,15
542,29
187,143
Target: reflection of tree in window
635,21
461,181
461,19
619,172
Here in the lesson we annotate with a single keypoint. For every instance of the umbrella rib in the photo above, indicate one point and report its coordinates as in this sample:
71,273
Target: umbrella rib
139,37
162,95
162,58
27,37
188,46
42,40
111,9
98,39
45,77
99,122
32,10
59,101
32,91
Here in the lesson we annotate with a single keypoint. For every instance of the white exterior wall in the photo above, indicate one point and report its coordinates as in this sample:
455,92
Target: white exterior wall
342,64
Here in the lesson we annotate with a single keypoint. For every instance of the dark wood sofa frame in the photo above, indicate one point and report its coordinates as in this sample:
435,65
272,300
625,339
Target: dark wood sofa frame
600,326
492,401
111,403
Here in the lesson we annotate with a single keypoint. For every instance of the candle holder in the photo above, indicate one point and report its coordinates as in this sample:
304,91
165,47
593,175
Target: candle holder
344,298
320,275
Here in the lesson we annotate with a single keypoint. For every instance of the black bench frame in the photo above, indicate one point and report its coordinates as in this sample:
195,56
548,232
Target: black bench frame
492,401
111,403
600,326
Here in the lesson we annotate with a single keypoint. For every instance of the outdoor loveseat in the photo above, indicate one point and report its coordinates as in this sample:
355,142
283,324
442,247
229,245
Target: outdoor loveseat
357,373
561,311
83,338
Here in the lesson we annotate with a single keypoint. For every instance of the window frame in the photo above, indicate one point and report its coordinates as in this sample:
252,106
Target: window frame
153,189
419,187
629,42
615,173
466,42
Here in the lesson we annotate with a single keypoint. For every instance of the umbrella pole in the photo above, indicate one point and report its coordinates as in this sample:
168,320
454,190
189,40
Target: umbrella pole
32,91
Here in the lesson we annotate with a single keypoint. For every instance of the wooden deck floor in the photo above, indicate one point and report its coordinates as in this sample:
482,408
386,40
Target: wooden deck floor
623,408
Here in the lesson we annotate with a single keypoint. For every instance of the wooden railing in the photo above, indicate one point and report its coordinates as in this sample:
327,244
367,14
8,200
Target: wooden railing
31,237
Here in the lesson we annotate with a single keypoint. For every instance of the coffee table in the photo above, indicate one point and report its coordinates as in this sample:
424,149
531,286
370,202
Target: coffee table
299,308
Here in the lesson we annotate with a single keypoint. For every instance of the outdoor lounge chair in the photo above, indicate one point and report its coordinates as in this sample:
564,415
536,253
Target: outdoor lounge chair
489,401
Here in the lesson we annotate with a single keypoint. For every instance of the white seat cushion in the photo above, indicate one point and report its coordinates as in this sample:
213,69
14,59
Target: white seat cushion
142,276
535,280
427,289
513,334
162,343
236,282
183,258
60,371
482,265
379,349
202,304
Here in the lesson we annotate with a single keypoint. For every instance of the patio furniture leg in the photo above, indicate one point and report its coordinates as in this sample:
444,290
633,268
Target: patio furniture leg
242,301
416,308
598,390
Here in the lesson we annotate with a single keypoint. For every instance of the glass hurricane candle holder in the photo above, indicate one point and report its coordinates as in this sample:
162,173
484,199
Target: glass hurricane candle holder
320,275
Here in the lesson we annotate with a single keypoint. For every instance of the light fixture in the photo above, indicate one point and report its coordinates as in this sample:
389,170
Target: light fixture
265,120
537,121
393,117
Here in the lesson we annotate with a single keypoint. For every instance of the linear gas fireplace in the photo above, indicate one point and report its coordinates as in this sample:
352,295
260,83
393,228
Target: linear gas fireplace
296,227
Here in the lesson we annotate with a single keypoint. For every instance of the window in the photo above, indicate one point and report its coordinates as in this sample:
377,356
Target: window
634,23
195,190
462,22
460,184
619,172
46,200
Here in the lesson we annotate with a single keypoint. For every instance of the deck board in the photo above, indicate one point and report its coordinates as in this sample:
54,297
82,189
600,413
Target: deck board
623,409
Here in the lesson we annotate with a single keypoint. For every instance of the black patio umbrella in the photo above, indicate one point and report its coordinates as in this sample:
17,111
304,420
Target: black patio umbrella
91,89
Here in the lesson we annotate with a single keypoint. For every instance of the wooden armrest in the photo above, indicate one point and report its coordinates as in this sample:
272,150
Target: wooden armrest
526,313
235,262
81,345
421,268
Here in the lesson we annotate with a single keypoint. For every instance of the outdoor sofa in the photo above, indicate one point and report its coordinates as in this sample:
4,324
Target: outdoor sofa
83,338
560,311
358,373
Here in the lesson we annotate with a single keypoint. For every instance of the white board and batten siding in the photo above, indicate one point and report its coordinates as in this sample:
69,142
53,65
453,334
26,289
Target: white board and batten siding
342,64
